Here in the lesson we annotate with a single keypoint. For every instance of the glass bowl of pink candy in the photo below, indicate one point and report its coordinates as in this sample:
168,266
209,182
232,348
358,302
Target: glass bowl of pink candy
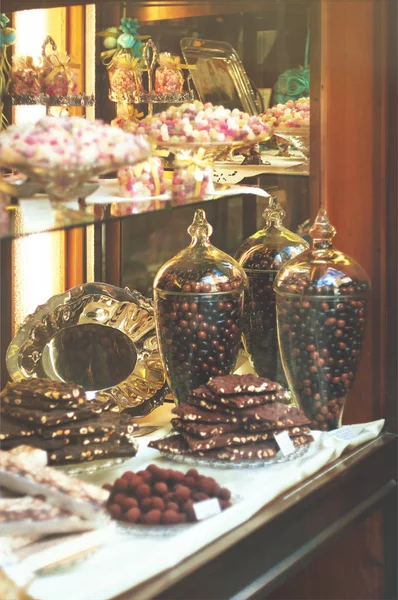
62,154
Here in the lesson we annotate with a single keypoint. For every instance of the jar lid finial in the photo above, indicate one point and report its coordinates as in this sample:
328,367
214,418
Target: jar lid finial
200,230
274,213
322,230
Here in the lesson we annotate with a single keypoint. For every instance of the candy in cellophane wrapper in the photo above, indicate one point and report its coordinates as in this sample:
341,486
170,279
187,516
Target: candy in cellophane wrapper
58,75
143,180
125,79
127,117
191,180
168,76
25,76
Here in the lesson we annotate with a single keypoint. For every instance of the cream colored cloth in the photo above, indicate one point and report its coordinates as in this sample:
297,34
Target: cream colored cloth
131,557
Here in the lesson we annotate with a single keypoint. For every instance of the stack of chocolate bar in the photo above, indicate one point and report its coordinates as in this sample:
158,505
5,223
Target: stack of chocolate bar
234,418
58,418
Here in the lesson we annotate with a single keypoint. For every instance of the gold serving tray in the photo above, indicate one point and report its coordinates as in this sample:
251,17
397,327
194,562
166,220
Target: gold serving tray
99,336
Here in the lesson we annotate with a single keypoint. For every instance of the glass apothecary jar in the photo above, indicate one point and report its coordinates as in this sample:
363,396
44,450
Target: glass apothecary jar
322,298
261,256
198,307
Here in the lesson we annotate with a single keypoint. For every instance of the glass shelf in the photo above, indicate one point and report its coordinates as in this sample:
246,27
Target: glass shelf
37,215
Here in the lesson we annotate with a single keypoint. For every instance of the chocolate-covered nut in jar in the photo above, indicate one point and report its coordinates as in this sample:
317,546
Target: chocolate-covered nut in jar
261,256
198,307
322,298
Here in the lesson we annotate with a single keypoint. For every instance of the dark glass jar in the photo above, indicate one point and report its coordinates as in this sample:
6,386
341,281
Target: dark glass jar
198,306
261,256
322,298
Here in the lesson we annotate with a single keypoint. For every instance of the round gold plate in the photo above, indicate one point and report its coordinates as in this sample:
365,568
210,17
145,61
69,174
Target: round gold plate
115,326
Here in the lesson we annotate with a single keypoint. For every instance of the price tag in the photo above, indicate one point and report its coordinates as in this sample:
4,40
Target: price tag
344,433
206,509
285,443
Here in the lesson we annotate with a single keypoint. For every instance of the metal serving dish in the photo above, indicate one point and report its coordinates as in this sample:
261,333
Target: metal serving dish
99,336
219,75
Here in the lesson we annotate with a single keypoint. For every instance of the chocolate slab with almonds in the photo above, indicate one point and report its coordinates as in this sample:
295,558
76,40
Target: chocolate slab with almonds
222,441
246,400
37,441
112,447
205,404
262,450
172,444
188,412
239,438
46,389
37,403
107,423
242,384
258,451
270,412
204,430
283,423
49,419
13,431
176,444
203,392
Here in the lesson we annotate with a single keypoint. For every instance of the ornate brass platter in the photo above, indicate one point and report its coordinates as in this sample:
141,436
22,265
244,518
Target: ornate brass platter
99,336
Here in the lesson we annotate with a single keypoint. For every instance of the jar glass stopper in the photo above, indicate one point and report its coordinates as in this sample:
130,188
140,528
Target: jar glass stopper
200,230
274,213
322,232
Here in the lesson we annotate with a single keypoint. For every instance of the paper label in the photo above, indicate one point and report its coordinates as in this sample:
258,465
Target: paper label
285,443
344,433
206,509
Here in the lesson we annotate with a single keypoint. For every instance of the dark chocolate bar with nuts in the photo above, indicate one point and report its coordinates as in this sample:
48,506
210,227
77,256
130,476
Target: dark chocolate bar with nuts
239,438
112,447
242,384
202,392
10,430
241,401
258,451
37,441
107,423
283,423
204,430
228,439
176,444
204,397
46,389
48,419
172,444
188,412
37,403
275,411
205,404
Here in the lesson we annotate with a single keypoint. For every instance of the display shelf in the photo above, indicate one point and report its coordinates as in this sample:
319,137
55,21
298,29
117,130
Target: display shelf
37,215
